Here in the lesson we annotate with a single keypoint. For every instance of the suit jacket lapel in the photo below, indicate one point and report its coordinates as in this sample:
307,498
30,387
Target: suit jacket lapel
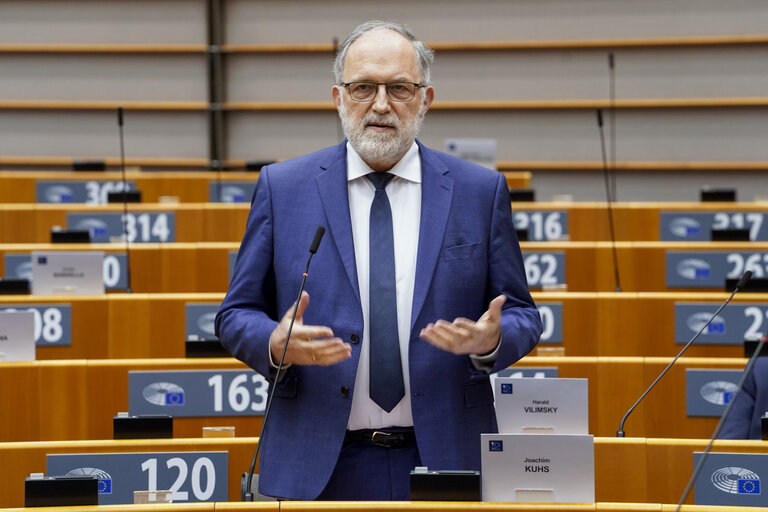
332,185
436,194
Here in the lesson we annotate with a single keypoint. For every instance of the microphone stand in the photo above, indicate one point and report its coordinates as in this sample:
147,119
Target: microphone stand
744,278
609,199
125,202
246,486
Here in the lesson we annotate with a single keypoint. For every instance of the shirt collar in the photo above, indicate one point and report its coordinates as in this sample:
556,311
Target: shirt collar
408,168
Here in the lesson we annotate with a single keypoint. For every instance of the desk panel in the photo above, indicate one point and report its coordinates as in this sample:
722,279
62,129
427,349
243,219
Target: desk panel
225,222
630,474
635,221
638,324
593,324
185,267
76,400
615,383
673,464
155,267
195,222
119,325
18,460
58,400
187,186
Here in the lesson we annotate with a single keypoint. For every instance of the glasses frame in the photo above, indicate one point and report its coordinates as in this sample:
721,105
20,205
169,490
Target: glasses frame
386,90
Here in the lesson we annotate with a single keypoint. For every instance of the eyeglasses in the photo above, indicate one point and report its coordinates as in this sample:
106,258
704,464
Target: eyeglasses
396,91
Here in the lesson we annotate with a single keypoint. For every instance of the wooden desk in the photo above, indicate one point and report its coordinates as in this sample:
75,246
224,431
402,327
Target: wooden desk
201,267
225,222
593,324
18,460
633,221
187,186
630,474
636,324
119,325
77,399
155,267
195,222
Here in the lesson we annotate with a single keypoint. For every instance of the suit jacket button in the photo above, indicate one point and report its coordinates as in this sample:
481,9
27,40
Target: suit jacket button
354,338
345,391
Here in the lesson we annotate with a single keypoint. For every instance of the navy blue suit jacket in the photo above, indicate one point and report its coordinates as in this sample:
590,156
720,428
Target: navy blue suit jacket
468,254
743,422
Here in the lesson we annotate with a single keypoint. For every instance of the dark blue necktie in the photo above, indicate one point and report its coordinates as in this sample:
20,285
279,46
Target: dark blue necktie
386,385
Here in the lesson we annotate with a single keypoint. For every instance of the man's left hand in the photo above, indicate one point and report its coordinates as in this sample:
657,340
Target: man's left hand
463,336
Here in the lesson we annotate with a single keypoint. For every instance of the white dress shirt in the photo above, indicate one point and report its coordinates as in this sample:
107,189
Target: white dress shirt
404,193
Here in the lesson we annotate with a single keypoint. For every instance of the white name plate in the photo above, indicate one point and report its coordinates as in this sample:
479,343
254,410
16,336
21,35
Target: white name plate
555,406
538,468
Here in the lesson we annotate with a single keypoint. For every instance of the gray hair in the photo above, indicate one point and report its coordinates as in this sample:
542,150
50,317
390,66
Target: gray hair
424,54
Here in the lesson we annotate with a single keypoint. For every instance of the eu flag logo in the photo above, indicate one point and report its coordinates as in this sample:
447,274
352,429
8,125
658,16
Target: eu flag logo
506,388
105,486
176,398
496,446
42,260
749,486
701,273
716,328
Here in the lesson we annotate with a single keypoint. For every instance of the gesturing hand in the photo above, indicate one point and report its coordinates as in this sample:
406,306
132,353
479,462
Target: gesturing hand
309,344
463,336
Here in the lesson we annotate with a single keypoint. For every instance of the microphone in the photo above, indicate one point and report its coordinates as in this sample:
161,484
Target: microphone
125,202
246,483
316,241
739,285
719,427
609,201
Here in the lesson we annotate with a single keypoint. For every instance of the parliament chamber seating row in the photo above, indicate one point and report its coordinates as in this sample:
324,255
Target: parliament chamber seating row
186,187
187,267
77,399
637,469
225,222
140,325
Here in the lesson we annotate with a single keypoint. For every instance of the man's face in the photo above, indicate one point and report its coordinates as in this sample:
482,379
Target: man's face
381,131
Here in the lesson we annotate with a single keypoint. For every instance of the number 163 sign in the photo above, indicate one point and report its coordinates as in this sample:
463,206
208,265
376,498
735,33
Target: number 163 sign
197,393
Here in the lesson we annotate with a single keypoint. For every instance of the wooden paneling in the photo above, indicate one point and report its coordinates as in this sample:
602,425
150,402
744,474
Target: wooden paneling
184,267
629,472
225,222
188,187
594,324
59,400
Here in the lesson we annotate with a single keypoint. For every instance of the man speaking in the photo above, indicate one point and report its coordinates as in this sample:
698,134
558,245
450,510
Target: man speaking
417,293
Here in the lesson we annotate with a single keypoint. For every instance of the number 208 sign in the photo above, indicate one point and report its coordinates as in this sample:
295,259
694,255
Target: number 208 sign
197,393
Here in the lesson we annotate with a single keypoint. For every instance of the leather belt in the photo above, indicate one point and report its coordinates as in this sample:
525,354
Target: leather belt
385,438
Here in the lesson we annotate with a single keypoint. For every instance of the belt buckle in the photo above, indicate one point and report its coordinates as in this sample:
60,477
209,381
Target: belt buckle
383,439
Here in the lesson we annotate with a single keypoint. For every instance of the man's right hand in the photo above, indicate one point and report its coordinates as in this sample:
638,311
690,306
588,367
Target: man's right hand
309,344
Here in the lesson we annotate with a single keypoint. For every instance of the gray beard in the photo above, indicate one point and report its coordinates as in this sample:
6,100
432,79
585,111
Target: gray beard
384,149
